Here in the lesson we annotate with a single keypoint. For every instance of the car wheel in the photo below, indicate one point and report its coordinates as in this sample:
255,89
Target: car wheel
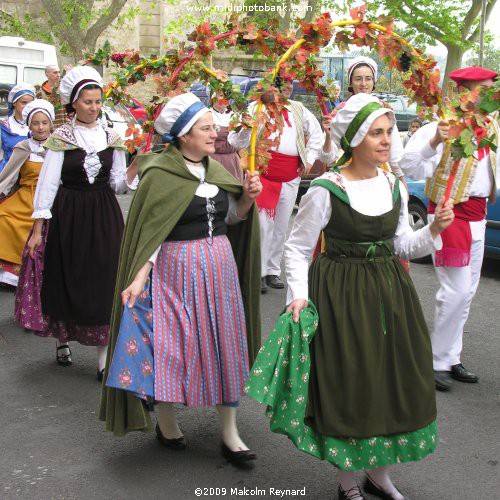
418,219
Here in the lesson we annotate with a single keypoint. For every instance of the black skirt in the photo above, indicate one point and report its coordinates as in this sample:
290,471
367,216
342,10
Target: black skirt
83,244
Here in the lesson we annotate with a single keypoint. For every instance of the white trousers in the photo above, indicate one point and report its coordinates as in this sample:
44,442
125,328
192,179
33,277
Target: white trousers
273,231
457,287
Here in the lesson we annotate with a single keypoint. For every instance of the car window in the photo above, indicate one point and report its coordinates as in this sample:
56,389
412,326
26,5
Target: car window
8,74
35,76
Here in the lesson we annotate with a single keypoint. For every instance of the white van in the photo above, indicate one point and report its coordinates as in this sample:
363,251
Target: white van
22,61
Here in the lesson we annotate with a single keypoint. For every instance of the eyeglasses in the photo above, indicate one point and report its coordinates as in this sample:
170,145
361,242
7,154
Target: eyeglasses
208,128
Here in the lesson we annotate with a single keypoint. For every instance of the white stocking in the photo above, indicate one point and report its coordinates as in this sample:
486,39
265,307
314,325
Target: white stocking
102,351
230,434
380,478
168,421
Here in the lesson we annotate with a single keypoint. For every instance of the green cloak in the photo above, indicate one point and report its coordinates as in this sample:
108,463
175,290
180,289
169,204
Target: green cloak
165,190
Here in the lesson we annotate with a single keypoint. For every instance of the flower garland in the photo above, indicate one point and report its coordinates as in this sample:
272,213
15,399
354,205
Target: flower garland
179,68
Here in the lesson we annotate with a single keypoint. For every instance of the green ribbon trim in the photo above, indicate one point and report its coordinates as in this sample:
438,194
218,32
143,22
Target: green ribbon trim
371,256
352,129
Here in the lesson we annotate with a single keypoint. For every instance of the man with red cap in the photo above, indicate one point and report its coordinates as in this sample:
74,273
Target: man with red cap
300,144
458,262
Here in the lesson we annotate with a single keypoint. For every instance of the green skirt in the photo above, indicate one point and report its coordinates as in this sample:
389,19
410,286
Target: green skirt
280,379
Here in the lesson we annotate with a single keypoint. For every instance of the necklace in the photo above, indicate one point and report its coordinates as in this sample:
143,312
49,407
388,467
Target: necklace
86,123
192,161
20,122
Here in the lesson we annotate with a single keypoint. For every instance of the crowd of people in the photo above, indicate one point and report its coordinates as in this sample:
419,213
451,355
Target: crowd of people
171,297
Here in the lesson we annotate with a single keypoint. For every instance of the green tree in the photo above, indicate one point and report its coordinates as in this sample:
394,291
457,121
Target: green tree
454,23
72,25
491,57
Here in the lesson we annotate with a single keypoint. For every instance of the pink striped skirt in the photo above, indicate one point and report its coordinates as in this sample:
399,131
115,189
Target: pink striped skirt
199,332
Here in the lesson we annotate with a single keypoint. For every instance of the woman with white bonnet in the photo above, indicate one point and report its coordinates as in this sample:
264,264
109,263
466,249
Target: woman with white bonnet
187,322
13,127
371,400
362,74
18,181
84,167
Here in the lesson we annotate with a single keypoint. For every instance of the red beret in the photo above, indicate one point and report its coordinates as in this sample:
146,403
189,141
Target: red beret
472,74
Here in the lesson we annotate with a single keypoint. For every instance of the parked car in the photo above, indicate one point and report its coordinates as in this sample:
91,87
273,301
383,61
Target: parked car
5,88
137,110
405,112
417,209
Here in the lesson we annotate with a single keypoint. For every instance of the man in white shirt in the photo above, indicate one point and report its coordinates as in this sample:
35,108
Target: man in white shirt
300,145
458,264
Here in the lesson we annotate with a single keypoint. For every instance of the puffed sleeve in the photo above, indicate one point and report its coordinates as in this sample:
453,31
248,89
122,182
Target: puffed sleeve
48,184
314,136
313,215
118,174
232,215
419,160
411,244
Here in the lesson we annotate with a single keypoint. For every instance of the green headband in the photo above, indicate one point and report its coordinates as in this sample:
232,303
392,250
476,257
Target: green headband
353,128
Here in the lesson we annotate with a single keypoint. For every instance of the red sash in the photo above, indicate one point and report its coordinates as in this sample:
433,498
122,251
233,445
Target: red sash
457,237
281,168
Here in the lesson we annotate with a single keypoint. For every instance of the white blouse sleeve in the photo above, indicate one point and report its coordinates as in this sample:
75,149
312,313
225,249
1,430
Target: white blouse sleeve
232,216
314,136
410,244
314,213
118,174
329,158
241,139
419,159
48,184
153,257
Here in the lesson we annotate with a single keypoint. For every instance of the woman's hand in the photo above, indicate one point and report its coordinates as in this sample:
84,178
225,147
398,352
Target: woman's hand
443,217
326,121
36,237
442,133
295,307
252,186
34,242
130,294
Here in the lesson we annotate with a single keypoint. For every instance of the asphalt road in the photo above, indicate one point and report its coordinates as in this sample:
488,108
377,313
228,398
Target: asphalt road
53,447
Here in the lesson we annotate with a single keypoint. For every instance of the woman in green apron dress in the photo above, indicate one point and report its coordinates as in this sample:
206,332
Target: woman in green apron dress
369,398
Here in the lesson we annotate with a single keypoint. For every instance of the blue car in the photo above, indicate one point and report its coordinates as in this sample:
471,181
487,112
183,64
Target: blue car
417,208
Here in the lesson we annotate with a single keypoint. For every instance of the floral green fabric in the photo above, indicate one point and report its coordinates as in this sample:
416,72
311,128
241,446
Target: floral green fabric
280,379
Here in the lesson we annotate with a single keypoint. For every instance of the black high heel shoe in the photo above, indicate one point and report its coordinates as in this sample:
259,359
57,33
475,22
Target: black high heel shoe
63,359
351,493
100,375
370,487
175,443
237,457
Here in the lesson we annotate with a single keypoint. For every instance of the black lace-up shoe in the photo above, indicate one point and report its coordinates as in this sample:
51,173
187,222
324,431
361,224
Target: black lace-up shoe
442,381
460,373
274,281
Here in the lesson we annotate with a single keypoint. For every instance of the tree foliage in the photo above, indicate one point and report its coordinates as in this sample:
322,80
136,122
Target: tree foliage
454,23
72,25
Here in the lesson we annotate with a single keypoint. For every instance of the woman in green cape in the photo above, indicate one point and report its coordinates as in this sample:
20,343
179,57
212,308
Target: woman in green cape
186,314
361,394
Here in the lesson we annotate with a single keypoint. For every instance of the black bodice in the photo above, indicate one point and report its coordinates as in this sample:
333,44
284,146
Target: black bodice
200,214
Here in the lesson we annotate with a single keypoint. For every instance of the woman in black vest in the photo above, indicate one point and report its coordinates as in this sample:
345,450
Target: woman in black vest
85,166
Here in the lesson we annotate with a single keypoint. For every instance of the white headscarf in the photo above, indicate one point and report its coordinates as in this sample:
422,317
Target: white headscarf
76,80
17,92
35,106
179,115
362,60
352,122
